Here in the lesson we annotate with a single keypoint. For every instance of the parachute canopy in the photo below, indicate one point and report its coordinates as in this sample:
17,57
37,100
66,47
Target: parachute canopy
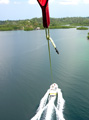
45,12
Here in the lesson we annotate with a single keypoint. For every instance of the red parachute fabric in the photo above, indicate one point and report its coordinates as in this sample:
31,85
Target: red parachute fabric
45,12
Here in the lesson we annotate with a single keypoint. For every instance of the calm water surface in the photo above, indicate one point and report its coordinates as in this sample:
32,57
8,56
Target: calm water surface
25,72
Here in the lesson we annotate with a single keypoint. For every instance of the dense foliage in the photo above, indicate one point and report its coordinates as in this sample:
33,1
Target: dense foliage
88,36
31,24
82,28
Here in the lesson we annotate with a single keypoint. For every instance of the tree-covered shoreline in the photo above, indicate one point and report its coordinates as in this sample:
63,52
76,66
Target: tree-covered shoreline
32,24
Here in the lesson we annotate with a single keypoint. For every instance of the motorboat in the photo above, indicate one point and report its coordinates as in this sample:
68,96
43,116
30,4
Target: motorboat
53,90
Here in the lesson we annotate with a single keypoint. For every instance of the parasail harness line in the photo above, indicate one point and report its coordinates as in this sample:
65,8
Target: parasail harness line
49,38
46,20
50,60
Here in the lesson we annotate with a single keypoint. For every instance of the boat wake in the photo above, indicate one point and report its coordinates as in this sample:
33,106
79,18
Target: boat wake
50,107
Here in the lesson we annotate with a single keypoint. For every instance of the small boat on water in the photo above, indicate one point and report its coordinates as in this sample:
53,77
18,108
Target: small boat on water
53,90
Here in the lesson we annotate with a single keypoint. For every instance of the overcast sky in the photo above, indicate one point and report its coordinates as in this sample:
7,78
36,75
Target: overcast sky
27,9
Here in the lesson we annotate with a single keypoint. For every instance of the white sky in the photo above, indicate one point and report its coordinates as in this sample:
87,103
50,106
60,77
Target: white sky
27,9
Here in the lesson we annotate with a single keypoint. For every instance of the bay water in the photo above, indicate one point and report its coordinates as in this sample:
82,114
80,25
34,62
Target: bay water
25,74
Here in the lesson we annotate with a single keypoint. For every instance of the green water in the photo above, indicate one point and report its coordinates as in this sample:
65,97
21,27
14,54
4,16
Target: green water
25,72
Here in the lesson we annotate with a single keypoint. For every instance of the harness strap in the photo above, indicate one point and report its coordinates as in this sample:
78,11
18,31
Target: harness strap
49,38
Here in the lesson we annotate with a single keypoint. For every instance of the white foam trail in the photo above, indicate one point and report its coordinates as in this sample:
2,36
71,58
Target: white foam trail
50,108
41,107
47,104
38,114
60,106
43,101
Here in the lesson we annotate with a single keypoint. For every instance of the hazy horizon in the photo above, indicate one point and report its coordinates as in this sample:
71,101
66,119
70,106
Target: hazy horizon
28,9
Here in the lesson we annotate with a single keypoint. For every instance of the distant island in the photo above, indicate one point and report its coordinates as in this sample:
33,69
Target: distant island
36,24
82,28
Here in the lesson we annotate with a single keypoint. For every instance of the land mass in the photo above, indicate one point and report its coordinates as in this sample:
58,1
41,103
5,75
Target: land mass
36,23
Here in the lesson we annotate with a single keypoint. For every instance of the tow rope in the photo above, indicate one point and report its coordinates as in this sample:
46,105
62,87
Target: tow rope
46,22
50,60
